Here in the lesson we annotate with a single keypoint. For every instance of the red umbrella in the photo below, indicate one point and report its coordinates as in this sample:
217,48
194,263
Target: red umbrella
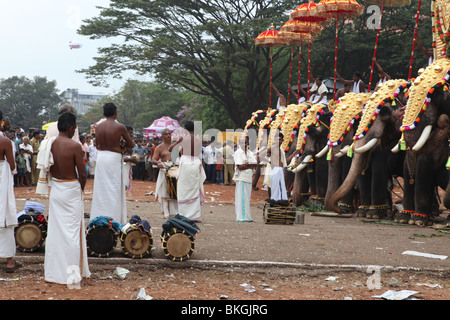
295,37
269,39
338,9
307,13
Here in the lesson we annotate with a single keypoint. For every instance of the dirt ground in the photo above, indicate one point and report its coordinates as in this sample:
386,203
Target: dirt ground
250,261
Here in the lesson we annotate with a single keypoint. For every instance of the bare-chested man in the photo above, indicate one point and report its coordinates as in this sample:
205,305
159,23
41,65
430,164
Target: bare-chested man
8,213
191,174
163,159
65,235
111,137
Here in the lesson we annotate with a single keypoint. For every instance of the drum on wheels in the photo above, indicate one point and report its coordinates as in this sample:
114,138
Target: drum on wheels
134,244
31,232
177,244
101,240
171,179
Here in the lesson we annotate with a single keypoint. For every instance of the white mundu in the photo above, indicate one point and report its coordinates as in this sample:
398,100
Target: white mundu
169,206
65,248
190,192
243,179
8,213
109,198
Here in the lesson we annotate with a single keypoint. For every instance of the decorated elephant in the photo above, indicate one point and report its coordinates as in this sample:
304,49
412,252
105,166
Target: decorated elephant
345,120
311,174
425,131
373,163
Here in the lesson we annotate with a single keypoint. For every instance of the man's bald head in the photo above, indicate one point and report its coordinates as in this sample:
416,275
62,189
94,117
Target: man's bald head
65,108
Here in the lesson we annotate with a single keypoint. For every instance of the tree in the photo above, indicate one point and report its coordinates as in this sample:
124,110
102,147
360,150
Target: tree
207,47
29,102
203,46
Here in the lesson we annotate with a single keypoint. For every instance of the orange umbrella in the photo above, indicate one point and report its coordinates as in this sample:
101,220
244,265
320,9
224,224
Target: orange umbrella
294,38
269,39
307,13
338,9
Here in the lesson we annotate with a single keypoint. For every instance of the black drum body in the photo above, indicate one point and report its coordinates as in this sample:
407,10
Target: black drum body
101,240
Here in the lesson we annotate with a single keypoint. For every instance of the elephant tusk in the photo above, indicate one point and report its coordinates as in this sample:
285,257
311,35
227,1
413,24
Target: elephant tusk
302,164
396,149
323,152
341,153
423,138
291,164
369,145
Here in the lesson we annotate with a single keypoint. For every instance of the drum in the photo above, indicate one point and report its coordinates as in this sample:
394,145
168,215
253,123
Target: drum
134,244
177,244
101,240
31,232
171,179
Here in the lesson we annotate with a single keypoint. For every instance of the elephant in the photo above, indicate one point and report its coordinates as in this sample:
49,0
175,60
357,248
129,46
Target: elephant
425,129
346,117
373,163
312,137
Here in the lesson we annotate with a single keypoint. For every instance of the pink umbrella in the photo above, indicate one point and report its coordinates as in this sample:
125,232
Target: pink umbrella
162,123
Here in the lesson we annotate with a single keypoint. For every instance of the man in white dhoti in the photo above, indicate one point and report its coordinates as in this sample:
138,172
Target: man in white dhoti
191,175
277,164
109,197
61,159
8,212
163,159
245,162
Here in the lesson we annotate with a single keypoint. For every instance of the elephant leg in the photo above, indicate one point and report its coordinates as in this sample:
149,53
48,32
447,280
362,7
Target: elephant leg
311,172
301,188
424,191
346,203
364,186
408,192
321,179
380,181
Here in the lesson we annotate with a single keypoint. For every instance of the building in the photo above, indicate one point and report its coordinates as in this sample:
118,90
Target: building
81,101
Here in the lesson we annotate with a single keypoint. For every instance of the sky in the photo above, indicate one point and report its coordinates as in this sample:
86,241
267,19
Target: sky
35,37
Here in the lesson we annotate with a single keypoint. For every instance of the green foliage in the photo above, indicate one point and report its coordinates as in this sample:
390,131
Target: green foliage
29,102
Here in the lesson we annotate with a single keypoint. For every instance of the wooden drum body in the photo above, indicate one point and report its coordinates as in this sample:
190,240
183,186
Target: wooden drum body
31,233
134,244
171,179
177,244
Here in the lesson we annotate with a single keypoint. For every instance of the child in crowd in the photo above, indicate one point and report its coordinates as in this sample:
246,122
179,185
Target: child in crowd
21,167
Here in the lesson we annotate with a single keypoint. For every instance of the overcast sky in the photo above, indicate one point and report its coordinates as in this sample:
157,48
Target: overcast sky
35,37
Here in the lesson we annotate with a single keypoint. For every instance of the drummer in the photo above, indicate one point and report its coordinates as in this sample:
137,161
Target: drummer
163,159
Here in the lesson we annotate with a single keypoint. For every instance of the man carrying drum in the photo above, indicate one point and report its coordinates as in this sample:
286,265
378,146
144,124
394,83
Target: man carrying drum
163,159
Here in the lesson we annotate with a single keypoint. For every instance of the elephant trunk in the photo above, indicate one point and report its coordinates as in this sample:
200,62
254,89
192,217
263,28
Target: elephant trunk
358,164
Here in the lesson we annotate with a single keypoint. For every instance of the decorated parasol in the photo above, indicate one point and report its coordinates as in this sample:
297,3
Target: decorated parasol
269,39
307,13
383,3
338,9
162,123
296,36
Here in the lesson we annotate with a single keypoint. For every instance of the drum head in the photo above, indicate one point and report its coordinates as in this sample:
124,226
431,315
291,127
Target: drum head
29,236
100,241
178,246
135,245
172,172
